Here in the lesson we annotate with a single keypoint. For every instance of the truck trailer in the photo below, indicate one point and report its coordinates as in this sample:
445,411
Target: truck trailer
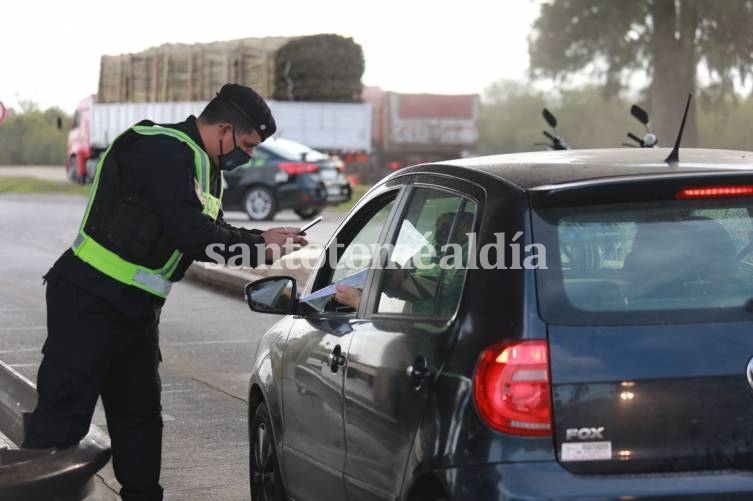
339,128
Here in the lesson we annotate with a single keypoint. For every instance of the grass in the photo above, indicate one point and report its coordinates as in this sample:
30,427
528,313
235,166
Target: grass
359,191
12,184
17,184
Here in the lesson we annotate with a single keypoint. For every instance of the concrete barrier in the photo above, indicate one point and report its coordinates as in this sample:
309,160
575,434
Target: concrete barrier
31,474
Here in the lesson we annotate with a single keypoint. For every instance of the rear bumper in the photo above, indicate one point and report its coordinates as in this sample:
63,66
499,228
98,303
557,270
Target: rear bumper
548,480
338,192
297,196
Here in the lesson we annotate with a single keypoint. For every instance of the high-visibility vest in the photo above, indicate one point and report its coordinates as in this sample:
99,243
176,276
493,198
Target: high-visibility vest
155,281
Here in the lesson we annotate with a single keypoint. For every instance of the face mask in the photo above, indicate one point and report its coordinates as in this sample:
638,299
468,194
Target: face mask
233,159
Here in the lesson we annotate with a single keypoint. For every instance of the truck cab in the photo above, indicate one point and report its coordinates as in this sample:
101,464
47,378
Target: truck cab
79,150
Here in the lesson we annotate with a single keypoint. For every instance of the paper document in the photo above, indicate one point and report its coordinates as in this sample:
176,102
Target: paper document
320,298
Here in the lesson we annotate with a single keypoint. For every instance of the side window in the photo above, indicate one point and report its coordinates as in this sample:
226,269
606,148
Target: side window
358,253
427,266
360,239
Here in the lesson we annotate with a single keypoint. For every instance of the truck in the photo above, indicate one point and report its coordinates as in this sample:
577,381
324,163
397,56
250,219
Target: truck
330,127
415,128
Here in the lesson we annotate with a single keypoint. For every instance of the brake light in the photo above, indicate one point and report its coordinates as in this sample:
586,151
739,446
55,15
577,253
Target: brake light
714,192
394,165
511,388
294,168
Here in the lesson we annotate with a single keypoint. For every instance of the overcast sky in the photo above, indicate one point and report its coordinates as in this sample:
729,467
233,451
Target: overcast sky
50,51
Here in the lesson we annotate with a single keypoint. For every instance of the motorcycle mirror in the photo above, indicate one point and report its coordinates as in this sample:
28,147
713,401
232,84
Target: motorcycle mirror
549,118
639,113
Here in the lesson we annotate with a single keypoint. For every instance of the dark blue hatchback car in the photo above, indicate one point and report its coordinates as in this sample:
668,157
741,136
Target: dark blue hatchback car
577,325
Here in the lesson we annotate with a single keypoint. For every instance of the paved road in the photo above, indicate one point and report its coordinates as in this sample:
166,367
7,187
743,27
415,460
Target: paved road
207,339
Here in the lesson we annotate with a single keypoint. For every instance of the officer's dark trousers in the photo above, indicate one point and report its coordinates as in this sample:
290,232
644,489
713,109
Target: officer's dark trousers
91,350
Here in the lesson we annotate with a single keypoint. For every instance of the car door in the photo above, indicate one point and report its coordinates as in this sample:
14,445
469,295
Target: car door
313,372
397,350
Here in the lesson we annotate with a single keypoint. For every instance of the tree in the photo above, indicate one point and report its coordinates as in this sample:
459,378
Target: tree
666,39
511,121
31,136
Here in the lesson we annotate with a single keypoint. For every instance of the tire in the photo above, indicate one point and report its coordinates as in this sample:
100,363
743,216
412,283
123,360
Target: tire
309,213
259,203
71,168
264,470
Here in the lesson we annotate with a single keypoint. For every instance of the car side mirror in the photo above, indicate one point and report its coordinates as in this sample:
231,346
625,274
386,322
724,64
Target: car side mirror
272,295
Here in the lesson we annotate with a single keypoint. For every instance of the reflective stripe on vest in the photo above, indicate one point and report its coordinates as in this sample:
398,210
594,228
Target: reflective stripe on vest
154,281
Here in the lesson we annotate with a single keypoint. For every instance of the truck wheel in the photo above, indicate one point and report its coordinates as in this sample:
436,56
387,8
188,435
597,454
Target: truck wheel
309,213
259,203
71,168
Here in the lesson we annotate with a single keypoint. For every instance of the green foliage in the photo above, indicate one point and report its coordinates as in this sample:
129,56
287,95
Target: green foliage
727,124
606,37
31,137
610,36
667,40
511,120
18,184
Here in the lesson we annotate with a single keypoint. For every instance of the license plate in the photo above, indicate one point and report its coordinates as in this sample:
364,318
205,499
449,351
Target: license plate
334,190
586,451
329,173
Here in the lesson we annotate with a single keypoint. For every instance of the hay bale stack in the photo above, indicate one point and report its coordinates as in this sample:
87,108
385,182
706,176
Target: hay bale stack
320,68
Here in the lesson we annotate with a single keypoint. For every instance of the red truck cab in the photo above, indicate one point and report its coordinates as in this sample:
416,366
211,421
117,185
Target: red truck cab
79,150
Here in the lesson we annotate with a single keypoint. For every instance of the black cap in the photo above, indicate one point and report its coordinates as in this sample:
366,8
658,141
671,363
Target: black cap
252,106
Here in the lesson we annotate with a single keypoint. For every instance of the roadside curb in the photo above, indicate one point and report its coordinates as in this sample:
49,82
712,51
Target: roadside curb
234,282
64,474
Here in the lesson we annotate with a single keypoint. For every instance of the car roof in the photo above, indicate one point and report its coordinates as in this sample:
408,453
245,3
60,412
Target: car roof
548,169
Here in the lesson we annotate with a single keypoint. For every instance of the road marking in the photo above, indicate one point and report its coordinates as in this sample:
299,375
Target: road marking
20,350
225,341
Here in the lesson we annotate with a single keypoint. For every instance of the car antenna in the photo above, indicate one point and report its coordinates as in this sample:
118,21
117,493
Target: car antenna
674,155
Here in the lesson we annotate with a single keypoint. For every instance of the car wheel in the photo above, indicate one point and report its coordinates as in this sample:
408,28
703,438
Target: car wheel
308,213
265,480
259,203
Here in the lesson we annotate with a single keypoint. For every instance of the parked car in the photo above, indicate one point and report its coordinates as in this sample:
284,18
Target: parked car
621,369
284,174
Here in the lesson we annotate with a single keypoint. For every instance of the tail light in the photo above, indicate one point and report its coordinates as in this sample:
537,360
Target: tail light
511,388
714,192
293,168
394,165
340,165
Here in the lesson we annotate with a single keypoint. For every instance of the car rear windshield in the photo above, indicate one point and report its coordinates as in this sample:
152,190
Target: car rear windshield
290,150
668,262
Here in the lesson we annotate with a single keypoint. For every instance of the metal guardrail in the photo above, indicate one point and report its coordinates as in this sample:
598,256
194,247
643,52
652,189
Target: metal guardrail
29,474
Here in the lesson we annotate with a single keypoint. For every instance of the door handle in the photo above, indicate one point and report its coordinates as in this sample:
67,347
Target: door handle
418,372
336,359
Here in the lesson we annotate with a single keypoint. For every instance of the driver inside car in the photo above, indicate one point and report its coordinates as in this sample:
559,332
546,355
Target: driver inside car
418,285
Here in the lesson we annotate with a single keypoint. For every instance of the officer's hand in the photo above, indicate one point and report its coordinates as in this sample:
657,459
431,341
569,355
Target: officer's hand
280,241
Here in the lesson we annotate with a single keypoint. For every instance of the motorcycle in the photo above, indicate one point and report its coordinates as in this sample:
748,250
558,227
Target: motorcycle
557,143
649,139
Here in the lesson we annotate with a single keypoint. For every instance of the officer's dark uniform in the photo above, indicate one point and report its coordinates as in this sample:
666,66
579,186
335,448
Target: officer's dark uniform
102,334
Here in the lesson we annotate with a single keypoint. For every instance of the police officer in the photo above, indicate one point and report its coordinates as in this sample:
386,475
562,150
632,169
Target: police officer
154,208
